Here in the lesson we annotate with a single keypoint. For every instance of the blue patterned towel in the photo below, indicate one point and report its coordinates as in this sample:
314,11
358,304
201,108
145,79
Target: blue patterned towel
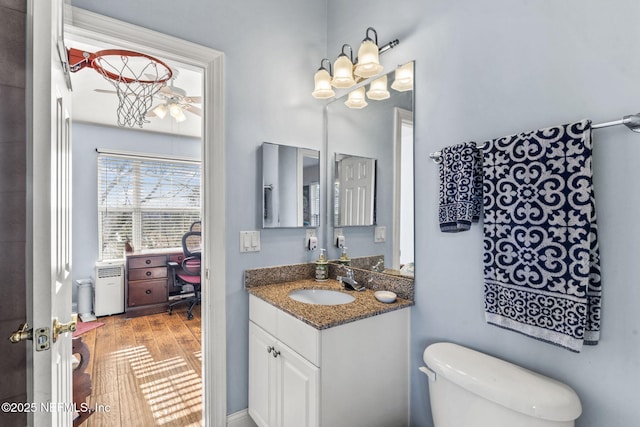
460,187
541,258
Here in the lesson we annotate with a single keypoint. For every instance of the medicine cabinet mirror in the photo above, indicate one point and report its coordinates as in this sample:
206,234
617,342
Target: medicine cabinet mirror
290,186
375,143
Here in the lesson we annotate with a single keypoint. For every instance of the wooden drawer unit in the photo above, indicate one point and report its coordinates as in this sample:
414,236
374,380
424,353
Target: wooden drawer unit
148,282
146,261
147,292
147,273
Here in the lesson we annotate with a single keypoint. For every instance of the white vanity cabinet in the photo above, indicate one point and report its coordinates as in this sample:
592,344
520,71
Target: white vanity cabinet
355,374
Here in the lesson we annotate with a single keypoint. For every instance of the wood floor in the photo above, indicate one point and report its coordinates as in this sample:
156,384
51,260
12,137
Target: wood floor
147,369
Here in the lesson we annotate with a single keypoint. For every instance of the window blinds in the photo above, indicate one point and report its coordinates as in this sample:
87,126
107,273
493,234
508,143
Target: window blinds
150,202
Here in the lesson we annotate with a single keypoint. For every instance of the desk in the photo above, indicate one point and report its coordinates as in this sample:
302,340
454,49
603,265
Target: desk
149,282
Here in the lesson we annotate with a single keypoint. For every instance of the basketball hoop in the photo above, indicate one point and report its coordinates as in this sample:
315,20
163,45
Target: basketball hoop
137,77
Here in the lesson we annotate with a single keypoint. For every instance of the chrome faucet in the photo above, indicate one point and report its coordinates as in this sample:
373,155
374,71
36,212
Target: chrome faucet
348,281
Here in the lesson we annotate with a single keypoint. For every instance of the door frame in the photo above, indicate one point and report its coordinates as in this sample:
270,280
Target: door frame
91,26
401,116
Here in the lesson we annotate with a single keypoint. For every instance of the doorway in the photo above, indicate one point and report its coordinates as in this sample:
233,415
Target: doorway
87,27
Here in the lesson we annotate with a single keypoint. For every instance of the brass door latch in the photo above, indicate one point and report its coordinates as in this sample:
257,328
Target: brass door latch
61,328
24,333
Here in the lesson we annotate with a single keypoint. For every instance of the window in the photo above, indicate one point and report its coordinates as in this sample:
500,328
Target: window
150,202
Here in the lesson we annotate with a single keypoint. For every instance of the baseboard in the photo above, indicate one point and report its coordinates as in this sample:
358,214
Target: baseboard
240,419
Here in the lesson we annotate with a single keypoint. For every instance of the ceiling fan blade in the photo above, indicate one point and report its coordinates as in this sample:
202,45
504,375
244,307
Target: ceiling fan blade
166,90
193,109
192,99
104,91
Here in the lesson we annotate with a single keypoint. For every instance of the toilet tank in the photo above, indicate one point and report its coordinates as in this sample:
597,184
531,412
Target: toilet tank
469,388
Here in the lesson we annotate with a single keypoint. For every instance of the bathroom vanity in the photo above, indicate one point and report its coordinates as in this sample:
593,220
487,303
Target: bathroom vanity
317,365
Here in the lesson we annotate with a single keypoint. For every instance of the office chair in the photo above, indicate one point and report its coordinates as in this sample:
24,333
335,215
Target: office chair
187,275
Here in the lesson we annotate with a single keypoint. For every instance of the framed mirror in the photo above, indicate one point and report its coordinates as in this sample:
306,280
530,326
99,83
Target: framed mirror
378,137
290,186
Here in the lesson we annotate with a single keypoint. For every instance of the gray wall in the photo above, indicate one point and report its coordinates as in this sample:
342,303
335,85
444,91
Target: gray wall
483,69
13,166
272,50
493,68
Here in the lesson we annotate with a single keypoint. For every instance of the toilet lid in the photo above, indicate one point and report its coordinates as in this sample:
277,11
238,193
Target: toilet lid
504,383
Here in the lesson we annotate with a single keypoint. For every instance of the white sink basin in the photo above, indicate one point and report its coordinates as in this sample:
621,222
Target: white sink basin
321,296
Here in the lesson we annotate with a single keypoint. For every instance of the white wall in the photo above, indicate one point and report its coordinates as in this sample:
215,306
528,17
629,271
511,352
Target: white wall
272,49
496,67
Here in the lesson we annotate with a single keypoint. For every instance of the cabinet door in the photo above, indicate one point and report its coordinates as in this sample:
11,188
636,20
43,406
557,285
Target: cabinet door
262,380
298,397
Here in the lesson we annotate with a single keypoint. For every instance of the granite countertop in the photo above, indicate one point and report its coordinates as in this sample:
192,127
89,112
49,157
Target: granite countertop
325,316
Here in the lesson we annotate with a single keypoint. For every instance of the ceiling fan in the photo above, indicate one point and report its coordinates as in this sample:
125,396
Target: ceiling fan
175,101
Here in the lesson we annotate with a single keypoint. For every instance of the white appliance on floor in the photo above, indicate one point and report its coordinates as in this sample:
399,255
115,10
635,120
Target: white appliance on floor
108,295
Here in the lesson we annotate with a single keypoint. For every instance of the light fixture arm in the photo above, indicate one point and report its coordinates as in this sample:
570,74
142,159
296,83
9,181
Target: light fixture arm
375,33
350,52
322,67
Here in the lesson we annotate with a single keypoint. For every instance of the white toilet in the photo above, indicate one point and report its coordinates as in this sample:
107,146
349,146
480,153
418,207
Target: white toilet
468,388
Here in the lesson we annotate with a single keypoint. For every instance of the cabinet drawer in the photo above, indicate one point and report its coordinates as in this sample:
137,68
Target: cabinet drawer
147,292
176,258
148,261
301,337
148,273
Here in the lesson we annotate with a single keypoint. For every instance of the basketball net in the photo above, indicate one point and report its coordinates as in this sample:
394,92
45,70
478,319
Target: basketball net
136,77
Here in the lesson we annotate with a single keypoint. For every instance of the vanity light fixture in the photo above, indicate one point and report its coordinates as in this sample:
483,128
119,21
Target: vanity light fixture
378,89
403,80
348,72
368,56
343,70
356,99
322,79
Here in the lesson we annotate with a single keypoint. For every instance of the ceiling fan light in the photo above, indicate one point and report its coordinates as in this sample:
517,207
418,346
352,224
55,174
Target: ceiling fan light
378,89
160,111
403,80
175,110
322,89
180,117
356,99
368,61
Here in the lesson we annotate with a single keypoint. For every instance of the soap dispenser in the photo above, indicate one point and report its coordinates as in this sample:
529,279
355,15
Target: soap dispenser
344,259
322,267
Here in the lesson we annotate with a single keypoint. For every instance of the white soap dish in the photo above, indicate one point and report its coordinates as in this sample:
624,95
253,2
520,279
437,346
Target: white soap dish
385,296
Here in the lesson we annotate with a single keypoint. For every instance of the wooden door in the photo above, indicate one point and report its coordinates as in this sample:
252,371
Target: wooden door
49,372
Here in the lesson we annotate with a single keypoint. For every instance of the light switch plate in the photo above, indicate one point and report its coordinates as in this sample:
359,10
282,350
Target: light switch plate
249,241
380,234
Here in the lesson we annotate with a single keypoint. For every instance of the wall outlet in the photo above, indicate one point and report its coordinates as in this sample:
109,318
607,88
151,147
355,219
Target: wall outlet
311,240
380,234
337,232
